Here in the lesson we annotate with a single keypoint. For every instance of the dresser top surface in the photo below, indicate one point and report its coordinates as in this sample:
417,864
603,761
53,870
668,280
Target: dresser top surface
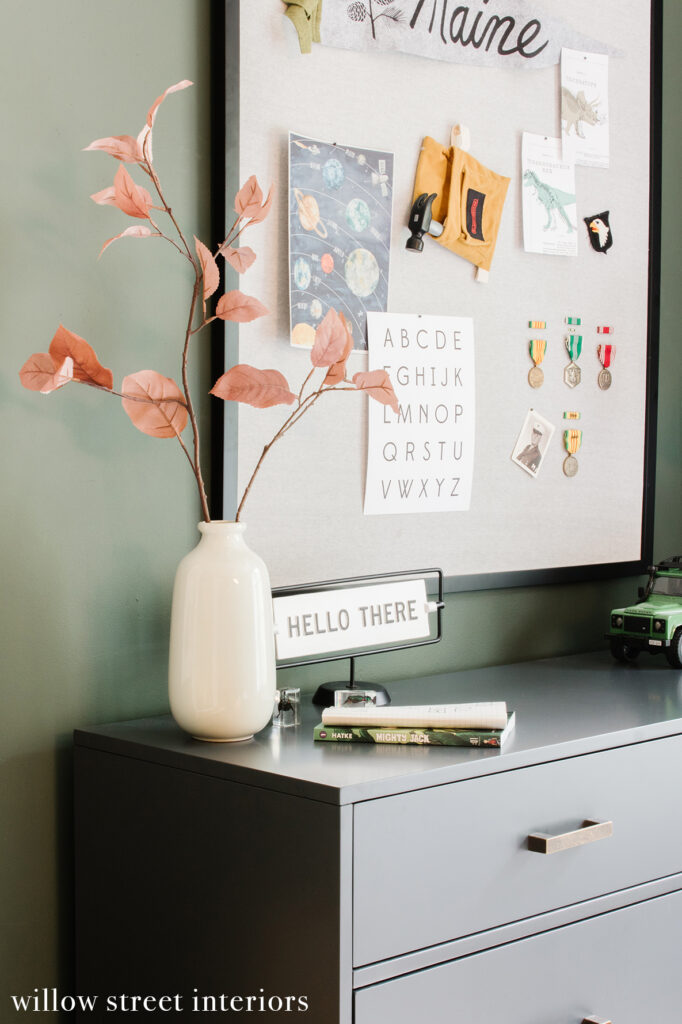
564,707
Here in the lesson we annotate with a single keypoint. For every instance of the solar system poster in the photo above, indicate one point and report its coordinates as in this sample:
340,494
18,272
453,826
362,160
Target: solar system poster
340,205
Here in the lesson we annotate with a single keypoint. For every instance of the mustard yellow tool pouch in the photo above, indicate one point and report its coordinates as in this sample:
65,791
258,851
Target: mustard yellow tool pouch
469,200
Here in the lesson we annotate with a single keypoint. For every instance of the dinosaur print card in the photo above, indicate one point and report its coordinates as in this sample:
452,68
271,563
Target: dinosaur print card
585,107
548,186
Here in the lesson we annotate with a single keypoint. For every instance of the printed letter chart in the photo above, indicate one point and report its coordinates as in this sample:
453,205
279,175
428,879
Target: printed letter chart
421,458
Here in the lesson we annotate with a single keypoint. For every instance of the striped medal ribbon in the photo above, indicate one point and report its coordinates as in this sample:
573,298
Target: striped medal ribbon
606,353
538,347
572,442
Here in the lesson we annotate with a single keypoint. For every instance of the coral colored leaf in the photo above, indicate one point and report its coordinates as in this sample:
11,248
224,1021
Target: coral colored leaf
337,371
239,307
151,114
107,197
209,268
129,197
40,374
258,215
331,339
239,259
259,388
122,147
378,385
249,198
136,231
155,404
86,365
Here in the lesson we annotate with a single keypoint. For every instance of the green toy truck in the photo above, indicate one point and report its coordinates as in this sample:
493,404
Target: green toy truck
655,623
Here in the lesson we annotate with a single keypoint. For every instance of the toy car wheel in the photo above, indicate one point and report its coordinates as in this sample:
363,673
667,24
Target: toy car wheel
622,650
674,652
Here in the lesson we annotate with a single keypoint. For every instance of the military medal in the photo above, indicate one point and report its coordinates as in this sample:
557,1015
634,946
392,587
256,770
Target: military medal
574,346
538,347
572,441
606,353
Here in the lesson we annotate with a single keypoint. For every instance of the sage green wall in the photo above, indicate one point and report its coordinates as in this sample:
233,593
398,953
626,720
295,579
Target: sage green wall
94,516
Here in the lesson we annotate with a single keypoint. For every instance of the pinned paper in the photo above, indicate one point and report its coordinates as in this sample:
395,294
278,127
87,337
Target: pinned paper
340,204
549,221
532,442
585,107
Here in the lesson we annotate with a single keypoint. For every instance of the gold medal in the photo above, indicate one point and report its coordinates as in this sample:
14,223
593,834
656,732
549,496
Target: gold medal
572,441
537,347
535,377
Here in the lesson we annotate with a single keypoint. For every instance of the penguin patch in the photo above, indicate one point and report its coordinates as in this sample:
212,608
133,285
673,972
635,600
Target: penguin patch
599,231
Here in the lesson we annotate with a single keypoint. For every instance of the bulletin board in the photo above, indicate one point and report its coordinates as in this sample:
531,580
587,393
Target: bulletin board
304,513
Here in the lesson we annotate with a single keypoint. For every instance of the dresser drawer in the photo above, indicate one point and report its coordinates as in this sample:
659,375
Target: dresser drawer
621,967
436,864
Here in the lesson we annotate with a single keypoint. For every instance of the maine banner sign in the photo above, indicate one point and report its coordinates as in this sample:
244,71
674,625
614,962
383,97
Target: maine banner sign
495,33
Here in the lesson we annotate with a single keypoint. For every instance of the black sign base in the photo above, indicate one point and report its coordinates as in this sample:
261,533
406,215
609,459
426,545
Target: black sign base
324,695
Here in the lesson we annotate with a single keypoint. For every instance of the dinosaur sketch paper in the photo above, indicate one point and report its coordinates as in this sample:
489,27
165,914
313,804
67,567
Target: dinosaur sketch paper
549,198
585,107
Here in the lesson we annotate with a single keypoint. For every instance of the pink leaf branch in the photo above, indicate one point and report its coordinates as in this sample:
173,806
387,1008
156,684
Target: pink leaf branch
240,308
86,366
136,231
154,404
239,259
40,373
258,388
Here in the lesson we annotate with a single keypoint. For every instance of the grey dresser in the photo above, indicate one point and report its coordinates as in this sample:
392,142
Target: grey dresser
395,885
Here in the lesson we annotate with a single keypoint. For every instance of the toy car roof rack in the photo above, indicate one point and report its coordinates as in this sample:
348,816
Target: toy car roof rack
674,562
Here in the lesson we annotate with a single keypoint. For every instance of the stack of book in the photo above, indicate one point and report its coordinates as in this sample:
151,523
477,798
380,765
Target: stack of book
441,725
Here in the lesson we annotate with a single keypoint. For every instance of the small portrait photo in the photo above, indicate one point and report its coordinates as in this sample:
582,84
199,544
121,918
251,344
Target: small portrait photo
530,448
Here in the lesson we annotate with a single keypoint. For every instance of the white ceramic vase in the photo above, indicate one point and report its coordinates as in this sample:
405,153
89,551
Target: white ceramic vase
221,676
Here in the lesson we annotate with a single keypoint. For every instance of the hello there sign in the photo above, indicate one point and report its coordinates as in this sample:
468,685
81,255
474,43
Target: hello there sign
356,617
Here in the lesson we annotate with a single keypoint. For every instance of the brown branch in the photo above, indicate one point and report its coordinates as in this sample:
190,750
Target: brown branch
198,281
301,409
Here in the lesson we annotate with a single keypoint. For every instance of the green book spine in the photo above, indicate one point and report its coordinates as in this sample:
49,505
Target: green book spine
416,737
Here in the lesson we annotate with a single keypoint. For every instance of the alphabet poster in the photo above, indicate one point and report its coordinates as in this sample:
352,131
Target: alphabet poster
421,459
340,203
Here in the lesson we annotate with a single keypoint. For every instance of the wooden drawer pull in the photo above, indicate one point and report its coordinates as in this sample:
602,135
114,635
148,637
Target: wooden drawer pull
589,832
595,1020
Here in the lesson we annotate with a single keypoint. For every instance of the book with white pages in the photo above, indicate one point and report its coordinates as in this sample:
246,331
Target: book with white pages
482,715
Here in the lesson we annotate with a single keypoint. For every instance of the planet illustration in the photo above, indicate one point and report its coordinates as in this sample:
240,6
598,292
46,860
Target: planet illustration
362,273
333,174
327,263
303,336
316,309
309,213
302,273
358,216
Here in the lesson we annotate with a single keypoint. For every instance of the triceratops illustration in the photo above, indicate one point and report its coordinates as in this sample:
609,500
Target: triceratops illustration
577,110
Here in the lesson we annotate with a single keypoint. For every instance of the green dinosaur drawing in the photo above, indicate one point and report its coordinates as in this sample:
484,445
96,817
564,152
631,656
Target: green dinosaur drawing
553,200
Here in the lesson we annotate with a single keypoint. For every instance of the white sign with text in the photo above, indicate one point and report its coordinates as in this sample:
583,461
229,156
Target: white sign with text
421,458
339,620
